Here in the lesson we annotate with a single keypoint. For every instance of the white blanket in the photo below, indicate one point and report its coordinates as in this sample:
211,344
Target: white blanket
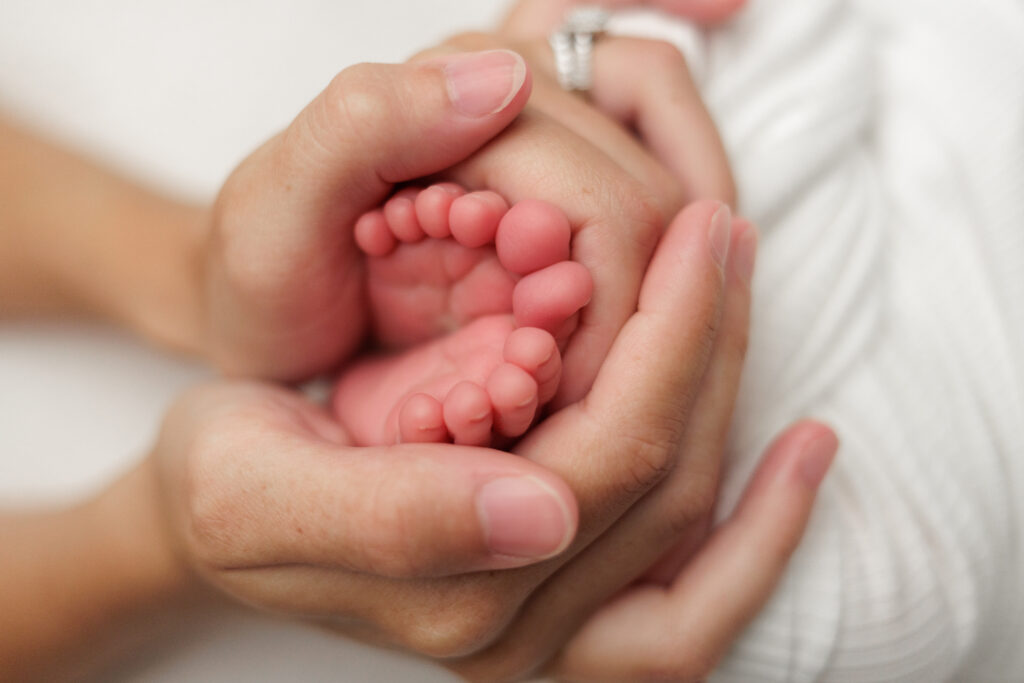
880,146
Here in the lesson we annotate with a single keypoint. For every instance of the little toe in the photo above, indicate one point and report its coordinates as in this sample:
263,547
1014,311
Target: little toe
532,235
421,420
549,297
433,206
513,394
474,217
535,351
373,235
468,414
400,213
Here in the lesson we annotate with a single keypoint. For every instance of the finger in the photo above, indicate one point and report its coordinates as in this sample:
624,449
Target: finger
643,394
683,499
681,632
600,129
376,125
282,495
380,124
667,111
664,107
616,223
686,498
661,353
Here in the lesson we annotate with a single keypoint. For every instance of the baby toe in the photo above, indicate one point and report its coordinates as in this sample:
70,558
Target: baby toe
535,351
532,235
400,213
373,235
468,414
549,297
433,206
514,395
421,420
474,218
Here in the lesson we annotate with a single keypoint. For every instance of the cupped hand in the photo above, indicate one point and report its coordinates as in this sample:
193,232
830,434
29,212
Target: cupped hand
283,282
644,85
487,624
261,488
264,500
282,278
618,195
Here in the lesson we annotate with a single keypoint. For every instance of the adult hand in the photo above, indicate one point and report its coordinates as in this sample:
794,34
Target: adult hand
267,502
280,269
644,85
743,561
618,195
679,631
283,279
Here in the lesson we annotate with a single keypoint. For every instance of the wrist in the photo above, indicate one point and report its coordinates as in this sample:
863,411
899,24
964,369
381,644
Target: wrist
163,301
82,585
127,521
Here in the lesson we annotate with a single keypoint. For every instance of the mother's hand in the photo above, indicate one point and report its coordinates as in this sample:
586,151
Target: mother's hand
617,194
264,498
644,85
265,501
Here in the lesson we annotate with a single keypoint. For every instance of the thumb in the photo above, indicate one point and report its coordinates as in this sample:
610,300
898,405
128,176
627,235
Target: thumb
380,124
277,492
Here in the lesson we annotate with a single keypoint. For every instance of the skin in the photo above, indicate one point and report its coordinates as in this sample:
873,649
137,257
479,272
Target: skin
397,558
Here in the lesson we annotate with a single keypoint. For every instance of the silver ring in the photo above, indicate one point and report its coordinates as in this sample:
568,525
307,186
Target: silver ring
573,45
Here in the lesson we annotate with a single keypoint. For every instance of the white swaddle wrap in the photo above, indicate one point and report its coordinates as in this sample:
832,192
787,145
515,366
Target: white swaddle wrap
879,145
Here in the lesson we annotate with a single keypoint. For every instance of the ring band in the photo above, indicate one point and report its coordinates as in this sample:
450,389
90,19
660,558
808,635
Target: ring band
573,45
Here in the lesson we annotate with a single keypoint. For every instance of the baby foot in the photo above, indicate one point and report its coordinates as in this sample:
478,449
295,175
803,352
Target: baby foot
487,379
442,257
475,296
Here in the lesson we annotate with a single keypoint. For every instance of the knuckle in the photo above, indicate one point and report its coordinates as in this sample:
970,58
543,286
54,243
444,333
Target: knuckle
351,108
642,216
356,92
663,55
650,457
465,623
693,505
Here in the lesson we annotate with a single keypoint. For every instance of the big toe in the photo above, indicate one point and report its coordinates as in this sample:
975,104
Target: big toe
549,297
468,414
535,351
514,395
532,235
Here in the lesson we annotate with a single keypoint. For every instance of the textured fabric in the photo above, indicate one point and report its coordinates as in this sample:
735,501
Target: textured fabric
880,146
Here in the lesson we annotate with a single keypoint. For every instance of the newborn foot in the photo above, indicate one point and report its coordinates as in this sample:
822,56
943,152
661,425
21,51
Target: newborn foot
487,379
475,297
442,257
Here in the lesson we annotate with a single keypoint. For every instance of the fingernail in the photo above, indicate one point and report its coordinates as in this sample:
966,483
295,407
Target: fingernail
719,232
745,254
483,83
523,517
817,458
